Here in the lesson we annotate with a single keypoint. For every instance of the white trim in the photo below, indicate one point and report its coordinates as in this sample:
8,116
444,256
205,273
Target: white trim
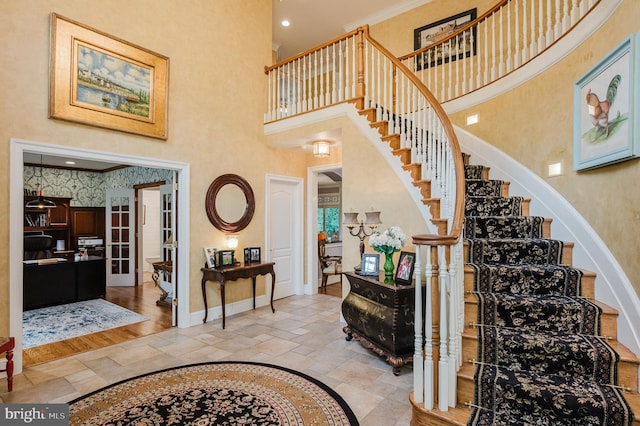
587,27
17,148
297,214
613,287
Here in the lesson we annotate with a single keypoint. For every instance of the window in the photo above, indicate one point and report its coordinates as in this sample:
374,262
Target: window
329,211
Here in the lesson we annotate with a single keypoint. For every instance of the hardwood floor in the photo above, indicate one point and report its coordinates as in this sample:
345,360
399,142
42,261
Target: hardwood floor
140,299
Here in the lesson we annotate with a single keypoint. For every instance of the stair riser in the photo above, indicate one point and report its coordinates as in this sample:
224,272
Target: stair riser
587,283
627,370
566,259
609,326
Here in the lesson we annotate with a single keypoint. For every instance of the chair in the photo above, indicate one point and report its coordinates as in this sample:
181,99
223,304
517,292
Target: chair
7,344
329,265
38,247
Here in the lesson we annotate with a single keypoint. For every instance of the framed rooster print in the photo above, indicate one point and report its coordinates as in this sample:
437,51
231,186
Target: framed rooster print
605,108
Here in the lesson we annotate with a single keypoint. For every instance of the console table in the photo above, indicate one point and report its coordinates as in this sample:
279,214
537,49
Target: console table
232,273
381,317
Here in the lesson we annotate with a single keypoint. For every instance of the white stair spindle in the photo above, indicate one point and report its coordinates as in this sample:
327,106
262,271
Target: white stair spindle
418,372
443,362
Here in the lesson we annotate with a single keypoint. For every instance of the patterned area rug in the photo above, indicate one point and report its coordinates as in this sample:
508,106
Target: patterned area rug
217,393
55,323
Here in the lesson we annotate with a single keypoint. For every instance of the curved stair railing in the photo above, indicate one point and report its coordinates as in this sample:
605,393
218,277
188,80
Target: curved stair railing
392,94
500,41
357,69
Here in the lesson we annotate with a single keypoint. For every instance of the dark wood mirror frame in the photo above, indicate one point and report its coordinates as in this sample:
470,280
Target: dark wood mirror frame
210,203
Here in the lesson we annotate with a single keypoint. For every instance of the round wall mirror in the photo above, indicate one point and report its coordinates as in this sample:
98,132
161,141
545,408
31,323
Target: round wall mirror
230,203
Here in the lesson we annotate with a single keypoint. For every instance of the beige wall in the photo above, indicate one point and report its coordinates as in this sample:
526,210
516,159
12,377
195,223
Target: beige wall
217,50
540,131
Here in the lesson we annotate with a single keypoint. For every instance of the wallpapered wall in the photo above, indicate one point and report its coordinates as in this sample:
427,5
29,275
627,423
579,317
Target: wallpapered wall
87,189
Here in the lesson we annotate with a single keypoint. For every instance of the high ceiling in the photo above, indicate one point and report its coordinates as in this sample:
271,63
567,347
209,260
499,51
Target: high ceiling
314,22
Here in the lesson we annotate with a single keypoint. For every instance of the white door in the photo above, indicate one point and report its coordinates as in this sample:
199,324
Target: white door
120,224
284,233
169,247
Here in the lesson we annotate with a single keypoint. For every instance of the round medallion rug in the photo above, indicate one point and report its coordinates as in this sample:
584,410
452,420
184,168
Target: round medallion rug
216,393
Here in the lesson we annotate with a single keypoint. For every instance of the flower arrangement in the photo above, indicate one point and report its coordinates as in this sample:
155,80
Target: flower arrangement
388,242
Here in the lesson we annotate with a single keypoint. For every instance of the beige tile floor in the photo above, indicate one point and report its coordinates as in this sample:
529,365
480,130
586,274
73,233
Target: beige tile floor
304,334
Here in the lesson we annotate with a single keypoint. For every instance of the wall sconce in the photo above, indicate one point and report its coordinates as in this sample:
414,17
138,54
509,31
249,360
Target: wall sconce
320,148
372,220
232,241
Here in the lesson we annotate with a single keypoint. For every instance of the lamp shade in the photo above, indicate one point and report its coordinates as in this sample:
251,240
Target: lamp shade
232,241
320,148
372,218
351,218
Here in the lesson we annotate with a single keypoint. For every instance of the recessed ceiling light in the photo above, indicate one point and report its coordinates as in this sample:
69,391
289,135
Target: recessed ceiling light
285,23
69,162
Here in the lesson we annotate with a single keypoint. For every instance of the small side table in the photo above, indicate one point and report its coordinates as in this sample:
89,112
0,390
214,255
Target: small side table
232,273
7,344
163,267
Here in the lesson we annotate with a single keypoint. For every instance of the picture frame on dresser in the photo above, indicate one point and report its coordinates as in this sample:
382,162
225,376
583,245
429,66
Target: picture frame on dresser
370,264
404,272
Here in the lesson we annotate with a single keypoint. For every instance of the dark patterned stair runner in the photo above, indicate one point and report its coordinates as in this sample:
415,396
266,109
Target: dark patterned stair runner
540,358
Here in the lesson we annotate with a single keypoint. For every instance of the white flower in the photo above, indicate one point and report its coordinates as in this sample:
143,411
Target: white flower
391,240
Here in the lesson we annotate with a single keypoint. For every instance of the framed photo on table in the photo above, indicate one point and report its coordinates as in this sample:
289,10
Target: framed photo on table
101,80
370,264
404,272
210,256
252,255
225,258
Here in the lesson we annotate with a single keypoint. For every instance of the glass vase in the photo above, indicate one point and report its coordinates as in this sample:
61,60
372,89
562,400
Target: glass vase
388,265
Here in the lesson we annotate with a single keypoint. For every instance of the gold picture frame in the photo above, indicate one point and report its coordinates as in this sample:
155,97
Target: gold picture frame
103,81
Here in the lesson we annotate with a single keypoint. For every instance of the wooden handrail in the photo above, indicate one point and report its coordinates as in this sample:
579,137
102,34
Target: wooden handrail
267,69
456,228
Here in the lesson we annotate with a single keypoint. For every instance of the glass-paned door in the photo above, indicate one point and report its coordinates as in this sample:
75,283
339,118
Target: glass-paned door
120,237
169,246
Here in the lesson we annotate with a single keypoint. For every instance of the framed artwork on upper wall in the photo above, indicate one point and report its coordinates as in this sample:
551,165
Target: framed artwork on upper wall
606,108
460,47
103,81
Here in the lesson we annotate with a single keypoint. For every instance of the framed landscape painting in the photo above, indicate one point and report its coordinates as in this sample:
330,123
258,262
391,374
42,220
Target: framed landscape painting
103,81
605,109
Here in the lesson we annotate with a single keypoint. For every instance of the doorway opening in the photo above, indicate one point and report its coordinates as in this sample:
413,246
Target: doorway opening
324,213
18,148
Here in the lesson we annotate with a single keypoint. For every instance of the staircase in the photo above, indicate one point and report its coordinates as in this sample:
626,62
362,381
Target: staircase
508,294
457,353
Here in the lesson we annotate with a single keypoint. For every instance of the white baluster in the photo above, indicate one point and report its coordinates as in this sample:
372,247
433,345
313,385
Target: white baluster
493,47
575,13
517,52
429,379
558,21
541,41
509,50
418,367
525,33
453,321
443,362
501,46
486,54
336,74
533,48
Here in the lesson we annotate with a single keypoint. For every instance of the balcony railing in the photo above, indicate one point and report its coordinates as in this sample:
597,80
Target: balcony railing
500,41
